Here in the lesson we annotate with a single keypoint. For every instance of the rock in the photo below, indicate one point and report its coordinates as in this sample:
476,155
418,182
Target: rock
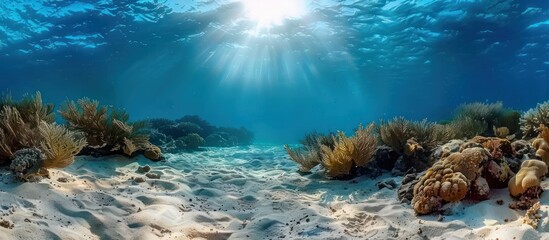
153,175
401,166
406,191
514,163
63,179
385,157
389,184
445,150
6,224
479,189
143,169
497,173
139,180
522,147
469,144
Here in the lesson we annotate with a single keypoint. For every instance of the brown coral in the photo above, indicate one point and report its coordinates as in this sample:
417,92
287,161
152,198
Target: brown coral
530,174
448,180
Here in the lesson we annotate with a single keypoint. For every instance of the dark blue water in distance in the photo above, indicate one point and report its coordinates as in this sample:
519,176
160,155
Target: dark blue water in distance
323,65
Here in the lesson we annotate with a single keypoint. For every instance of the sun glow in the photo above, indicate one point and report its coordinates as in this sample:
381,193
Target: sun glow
269,13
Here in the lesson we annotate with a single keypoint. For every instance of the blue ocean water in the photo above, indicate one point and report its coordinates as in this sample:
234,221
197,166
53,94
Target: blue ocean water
279,68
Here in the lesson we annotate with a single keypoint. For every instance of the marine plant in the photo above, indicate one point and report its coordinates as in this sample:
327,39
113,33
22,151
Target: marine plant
472,119
19,121
30,140
349,152
306,158
15,134
31,108
309,155
397,132
533,118
478,111
467,127
59,145
107,129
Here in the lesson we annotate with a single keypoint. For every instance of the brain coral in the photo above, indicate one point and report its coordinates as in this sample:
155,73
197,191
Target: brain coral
448,179
530,174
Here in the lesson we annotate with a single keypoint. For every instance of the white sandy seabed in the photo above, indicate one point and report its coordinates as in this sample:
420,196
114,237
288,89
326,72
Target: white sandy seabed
236,193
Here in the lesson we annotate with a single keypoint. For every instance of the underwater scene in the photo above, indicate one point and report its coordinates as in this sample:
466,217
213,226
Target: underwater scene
274,119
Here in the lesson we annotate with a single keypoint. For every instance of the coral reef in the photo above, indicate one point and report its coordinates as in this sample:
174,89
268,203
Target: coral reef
531,120
529,176
448,180
171,134
193,141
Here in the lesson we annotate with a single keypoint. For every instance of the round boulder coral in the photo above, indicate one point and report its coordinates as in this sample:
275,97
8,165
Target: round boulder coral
448,180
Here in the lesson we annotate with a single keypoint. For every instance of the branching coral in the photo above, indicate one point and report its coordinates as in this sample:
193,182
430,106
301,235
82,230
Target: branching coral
448,180
59,145
349,152
533,118
530,175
